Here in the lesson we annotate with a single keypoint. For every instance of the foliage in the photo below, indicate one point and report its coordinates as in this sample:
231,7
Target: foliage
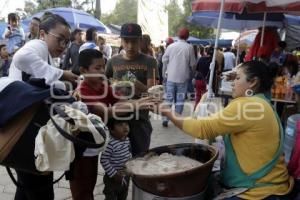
31,8
197,31
86,5
125,11
175,14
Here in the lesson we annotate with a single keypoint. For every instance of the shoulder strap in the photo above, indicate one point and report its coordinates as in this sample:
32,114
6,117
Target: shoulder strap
268,167
24,187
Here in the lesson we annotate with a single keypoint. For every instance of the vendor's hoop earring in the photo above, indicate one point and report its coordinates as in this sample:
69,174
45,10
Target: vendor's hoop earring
249,93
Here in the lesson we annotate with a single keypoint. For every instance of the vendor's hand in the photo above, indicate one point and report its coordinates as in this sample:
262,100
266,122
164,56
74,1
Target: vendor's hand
145,103
69,76
160,108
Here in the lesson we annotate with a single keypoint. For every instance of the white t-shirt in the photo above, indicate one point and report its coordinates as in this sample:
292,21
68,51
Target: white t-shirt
177,60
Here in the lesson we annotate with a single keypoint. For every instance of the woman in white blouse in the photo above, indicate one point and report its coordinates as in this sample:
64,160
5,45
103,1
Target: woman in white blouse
35,58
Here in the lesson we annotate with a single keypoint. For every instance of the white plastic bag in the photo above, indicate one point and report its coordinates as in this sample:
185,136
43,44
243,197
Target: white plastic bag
53,151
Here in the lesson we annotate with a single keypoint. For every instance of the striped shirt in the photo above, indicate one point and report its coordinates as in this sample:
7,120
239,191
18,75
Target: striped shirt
114,157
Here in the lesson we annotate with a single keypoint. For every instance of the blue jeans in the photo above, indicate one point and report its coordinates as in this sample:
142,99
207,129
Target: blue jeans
175,92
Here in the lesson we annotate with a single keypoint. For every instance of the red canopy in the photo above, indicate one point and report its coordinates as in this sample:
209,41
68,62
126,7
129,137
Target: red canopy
251,6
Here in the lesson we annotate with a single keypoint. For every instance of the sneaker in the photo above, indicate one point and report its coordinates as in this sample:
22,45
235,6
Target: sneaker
165,124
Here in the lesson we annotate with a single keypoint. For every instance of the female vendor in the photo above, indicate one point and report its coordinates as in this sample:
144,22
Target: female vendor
252,134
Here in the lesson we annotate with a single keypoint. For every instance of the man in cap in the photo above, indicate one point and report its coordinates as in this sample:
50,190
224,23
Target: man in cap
142,71
177,60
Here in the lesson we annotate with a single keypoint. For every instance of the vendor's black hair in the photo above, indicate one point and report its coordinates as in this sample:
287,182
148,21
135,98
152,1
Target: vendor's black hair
89,34
50,20
87,56
264,73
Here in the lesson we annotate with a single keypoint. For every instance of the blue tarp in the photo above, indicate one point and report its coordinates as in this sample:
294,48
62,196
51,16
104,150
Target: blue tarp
235,21
292,20
204,42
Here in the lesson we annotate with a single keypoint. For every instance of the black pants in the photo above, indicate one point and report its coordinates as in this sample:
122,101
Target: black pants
34,187
139,136
113,190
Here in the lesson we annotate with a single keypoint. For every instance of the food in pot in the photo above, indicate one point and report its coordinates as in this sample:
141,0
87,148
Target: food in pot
161,164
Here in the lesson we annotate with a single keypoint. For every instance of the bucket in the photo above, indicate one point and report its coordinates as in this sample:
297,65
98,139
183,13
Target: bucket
180,184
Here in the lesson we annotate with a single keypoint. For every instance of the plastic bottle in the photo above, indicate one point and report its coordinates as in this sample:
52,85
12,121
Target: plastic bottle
289,92
290,136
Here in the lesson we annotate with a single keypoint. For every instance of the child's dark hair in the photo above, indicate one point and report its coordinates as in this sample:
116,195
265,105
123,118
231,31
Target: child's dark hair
89,34
264,73
112,122
50,20
13,17
1,46
87,56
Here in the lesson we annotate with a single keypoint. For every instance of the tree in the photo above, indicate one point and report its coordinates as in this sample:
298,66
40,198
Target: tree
125,11
86,5
31,9
175,15
44,4
197,31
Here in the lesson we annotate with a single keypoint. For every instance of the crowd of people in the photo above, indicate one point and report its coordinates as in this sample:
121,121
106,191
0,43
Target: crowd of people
177,65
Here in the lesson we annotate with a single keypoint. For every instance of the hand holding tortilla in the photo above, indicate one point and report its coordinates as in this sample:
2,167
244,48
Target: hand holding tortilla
157,91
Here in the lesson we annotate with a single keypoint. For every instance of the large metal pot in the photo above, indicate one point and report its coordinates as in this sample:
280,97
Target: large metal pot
180,184
139,194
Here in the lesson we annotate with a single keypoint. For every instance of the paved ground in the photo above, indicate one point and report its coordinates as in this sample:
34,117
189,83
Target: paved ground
160,136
